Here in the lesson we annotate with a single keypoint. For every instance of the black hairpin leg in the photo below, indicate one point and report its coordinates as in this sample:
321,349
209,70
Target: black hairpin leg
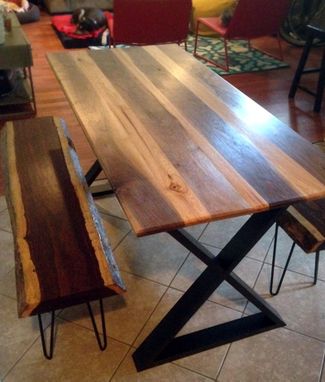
102,345
316,267
274,293
47,354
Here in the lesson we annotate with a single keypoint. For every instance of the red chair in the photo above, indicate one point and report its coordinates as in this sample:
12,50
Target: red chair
251,19
145,22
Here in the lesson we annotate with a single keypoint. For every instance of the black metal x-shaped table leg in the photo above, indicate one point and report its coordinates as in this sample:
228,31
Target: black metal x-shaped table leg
162,346
91,176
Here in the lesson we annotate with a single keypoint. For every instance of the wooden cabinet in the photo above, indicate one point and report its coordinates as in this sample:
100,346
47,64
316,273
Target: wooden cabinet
16,56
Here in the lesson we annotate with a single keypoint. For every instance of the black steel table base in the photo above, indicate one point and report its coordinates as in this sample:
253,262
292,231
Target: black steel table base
91,176
163,346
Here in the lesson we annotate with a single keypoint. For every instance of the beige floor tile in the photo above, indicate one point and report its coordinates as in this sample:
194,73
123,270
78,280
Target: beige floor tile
125,315
165,373
279,355
263,246
300,261
76,358
110,206
5,221
300,304
7,255
210,314
3,204
8,284
220,232
196,230
248,269
16,335
156,257
116,229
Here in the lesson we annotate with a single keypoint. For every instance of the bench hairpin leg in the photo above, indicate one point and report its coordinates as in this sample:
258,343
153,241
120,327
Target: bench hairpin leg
102,345
316,267
47,354
273,263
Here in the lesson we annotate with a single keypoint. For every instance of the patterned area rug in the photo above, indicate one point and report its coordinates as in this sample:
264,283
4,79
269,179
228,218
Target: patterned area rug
240,58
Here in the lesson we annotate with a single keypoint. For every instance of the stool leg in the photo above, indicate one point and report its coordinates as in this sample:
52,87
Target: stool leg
274,293
320,86
301,65
102,345
47,354
316,267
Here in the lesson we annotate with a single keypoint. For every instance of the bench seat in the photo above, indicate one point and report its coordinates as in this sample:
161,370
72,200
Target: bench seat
304,222
62,254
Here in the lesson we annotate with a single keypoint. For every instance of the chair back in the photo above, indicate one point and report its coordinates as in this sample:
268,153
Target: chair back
256,18
144,22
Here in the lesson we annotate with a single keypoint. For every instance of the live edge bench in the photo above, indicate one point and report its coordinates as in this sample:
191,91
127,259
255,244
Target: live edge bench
62,253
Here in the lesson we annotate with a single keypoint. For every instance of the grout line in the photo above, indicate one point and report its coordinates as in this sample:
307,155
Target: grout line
120,363
192,371
20,358
303,334
118,243
322,369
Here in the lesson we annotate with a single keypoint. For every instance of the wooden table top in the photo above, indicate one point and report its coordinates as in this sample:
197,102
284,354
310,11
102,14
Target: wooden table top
178,143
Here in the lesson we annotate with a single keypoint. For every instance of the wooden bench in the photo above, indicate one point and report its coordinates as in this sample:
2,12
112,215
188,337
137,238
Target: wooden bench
304,222
62,253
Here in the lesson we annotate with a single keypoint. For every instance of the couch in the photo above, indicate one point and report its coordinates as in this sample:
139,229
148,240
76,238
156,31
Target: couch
65,6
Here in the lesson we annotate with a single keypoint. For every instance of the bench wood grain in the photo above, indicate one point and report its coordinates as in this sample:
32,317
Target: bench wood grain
61,250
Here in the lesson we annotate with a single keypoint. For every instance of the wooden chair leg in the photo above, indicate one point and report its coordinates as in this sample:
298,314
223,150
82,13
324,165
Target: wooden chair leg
226,54
274,293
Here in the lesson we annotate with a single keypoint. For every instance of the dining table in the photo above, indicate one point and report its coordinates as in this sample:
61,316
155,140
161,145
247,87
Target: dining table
181,146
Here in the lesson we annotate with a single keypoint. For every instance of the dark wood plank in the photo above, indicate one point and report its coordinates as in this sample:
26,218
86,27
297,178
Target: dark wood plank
62,253
199,147
304,222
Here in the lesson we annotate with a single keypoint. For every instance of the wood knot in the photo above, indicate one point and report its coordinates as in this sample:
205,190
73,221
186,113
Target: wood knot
175,185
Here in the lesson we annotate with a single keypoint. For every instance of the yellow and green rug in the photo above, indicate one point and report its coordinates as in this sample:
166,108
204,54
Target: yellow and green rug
240,58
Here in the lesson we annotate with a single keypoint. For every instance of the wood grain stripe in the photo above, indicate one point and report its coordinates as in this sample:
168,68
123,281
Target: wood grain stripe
225,169
60,256
30,286
298,178
124,123
99,243
171,167
247,164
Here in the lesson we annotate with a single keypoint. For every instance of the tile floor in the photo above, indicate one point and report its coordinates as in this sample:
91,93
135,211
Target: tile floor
157,270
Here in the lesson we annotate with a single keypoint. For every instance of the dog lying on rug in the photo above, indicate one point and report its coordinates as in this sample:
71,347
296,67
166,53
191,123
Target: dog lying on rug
88,19
15,5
